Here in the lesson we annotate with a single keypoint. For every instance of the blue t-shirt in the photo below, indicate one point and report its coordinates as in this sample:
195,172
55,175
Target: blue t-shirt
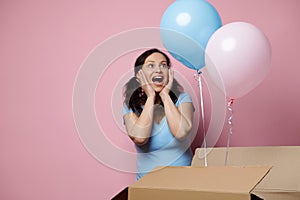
162,148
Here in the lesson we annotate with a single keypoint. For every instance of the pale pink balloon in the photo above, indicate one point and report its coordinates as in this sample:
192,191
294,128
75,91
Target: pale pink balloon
240,54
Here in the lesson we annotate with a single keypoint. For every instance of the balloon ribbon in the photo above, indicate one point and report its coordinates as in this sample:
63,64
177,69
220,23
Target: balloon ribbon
202,114
229,107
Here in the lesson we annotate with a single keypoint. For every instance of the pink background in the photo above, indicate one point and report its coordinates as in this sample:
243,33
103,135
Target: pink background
43,45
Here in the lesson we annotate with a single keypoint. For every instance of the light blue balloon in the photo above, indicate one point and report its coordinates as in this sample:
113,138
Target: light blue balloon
186,27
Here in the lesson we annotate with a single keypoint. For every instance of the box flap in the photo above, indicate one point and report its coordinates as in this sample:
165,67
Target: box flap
278,195
285,160
220,179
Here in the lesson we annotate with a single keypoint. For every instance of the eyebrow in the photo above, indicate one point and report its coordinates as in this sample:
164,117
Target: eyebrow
164,61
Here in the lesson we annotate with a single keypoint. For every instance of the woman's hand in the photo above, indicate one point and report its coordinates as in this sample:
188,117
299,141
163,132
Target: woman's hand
145,84
166,90
139,128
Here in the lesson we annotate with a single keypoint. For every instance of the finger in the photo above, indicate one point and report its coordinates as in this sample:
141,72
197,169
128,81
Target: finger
143,77
171,78
138,77
171,75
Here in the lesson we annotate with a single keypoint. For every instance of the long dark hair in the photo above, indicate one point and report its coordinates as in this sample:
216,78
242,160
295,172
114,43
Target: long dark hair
133,93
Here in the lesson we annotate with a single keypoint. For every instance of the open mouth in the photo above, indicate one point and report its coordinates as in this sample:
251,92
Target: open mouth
158,79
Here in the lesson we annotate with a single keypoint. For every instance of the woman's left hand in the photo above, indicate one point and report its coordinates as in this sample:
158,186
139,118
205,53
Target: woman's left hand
166,90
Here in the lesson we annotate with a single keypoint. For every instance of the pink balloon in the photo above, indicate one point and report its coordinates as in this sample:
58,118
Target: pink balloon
240,54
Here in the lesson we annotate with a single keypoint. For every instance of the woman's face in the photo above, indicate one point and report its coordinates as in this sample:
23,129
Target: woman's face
156,71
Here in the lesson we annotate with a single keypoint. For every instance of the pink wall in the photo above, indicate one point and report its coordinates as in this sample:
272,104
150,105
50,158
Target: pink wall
42,48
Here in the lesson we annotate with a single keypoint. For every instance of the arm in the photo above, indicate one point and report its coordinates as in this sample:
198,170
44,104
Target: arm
139,128
180,120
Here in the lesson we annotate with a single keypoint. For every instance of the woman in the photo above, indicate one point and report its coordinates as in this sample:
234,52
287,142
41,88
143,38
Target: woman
157,114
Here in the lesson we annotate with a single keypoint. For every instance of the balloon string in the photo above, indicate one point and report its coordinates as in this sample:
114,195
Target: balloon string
229,107
202,115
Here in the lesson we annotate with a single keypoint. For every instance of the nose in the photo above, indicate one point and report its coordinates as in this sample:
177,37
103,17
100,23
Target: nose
157,68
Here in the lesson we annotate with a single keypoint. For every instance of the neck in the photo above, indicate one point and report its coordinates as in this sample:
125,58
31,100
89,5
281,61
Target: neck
158,99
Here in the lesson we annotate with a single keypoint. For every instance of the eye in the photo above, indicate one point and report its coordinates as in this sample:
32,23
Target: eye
150,65
164,66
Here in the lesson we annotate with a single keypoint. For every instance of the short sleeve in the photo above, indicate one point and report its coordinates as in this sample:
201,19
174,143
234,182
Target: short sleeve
126,110
184,98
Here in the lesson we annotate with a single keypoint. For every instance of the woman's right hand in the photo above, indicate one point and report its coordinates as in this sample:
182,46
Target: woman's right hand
145,84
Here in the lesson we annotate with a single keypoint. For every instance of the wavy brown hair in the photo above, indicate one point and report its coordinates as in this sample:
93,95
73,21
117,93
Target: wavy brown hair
134,96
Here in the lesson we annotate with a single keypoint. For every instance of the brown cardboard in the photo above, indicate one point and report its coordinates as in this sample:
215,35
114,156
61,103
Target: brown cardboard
283,181
205,183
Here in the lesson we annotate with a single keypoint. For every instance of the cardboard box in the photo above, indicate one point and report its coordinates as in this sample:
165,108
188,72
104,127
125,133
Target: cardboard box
191,183
244,177
283,181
